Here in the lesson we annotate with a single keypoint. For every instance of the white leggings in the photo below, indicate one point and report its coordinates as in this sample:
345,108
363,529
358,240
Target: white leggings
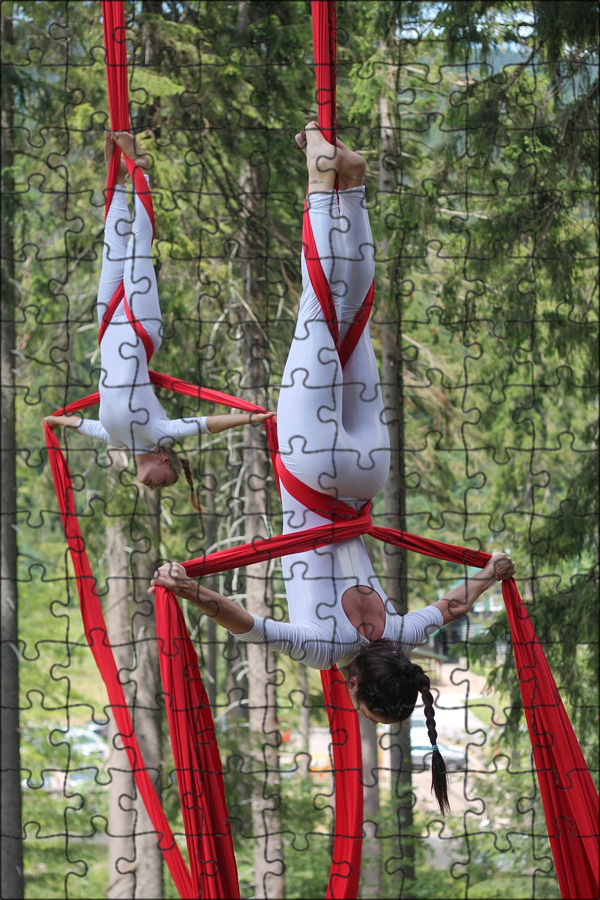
127,257
331,425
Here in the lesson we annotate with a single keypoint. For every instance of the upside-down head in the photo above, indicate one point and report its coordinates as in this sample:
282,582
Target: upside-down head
162,468
384,686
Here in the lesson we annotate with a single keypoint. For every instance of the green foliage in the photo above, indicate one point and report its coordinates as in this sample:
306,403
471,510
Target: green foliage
46,864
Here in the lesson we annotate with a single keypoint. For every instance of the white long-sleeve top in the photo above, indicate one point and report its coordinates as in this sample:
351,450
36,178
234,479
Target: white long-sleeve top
320,644
143,430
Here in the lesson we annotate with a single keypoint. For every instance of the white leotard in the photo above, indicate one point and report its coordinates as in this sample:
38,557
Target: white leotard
333,436
131,415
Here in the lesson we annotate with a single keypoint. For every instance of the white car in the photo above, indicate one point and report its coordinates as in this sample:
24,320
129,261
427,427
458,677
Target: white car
420,752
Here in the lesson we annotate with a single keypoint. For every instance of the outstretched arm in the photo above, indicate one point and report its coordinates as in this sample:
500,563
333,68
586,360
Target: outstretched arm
225,612
216,424
459,600
90,427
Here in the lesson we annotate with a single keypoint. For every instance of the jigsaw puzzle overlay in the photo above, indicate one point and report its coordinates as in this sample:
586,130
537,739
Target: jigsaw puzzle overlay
475,383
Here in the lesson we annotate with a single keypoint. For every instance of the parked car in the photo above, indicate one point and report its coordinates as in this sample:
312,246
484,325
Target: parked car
85,740
60,757
420,752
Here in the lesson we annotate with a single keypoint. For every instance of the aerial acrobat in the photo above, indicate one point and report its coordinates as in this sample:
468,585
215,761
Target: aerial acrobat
334,438
131,416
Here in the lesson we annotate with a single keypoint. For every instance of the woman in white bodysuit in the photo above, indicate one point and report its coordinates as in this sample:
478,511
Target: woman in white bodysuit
333,437
131,415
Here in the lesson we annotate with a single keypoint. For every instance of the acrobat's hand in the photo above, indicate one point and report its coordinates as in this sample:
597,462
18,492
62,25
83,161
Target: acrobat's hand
67,421
502,566
259,418
173,577
222,610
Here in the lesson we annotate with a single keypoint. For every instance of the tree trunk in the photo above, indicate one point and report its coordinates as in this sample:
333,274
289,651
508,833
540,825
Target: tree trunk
12,846
395,495
304,723
121,816
262,696
147,712
371,865
209,643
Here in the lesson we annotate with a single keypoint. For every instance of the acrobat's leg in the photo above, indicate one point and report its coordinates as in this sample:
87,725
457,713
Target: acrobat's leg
340,221
353,247
139,277
116,235
317,435
363,415
311,390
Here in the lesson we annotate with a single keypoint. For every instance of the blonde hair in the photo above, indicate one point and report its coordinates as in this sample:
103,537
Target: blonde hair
179,464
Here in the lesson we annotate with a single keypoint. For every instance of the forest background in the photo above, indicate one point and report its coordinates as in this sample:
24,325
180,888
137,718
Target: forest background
479,124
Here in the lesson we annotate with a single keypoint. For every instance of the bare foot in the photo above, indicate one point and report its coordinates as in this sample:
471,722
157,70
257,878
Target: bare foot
322,159
131,148
301,140
352,167
109,146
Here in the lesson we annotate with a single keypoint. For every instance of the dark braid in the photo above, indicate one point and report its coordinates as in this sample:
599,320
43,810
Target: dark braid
389,685
439,772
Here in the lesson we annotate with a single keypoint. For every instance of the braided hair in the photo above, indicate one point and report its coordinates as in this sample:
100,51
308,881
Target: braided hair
179,464
389,685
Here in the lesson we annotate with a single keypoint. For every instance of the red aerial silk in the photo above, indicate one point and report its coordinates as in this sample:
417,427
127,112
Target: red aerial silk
196,755
96,634
115,46
568,793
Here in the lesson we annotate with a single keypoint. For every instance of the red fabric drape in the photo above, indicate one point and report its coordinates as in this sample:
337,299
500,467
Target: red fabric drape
97,637
212,861
196,755
344,874
568,793
325,49
115,48
569,797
